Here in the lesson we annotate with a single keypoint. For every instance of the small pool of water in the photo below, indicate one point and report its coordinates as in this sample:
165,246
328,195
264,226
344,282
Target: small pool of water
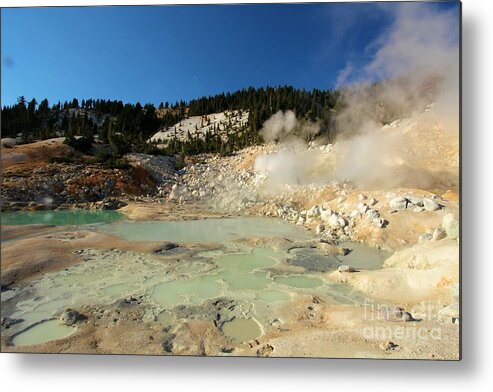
242,330
273,296
42,333
206,230
299,281
182,291
363,257
59,218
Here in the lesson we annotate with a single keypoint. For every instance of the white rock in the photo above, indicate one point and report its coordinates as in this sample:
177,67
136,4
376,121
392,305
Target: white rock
398,203
345,268
325,215
334,221
355,214
430,205
313,212
342,221
361,197
373,214
417,201
451,225
320,228
451,311
362,207
378,223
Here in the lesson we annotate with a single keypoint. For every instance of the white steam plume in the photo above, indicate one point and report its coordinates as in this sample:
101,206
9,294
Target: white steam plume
418,60
416,63
279,125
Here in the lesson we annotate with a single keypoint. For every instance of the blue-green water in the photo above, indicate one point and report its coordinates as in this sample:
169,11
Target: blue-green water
59,218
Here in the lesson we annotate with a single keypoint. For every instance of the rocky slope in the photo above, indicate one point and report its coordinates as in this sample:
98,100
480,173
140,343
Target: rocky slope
45,175
198,126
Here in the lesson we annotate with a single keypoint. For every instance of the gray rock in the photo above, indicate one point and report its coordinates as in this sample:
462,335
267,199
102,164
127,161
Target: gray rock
439,234
391,313
345,268
388,346
406,316
425,237
71,317
313,212
7,322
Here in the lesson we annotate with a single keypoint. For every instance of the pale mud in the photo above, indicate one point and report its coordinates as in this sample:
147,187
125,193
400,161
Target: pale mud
143,211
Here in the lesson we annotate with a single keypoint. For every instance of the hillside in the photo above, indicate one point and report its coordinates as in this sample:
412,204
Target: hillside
197,126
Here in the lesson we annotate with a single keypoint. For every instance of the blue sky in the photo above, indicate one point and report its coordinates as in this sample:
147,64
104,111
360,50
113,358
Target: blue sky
170,53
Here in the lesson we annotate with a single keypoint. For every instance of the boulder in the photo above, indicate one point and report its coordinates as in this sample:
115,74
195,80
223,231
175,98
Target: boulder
373,214
430,205
334,221
451,312
313,212
451,226
362,208
425,237
8,142
439,234
355,214
325,215
320,228
7,322
71,317
398,203
345,268
342,221
378,223
414,200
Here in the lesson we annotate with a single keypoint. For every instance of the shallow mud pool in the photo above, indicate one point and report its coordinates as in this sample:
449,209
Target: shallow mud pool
205,230
42,332
256,277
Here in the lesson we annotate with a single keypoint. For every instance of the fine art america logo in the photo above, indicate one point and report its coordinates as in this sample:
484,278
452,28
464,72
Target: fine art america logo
394,322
